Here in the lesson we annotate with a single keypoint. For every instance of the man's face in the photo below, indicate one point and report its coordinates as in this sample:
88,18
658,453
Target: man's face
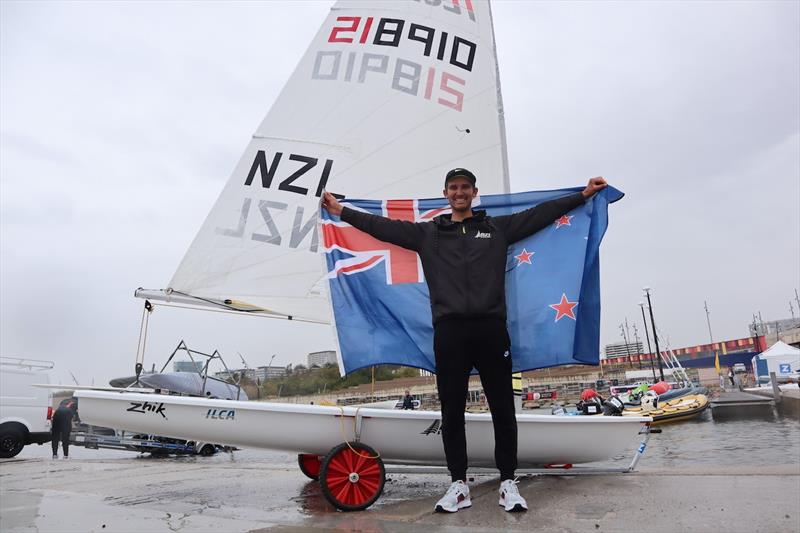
460,193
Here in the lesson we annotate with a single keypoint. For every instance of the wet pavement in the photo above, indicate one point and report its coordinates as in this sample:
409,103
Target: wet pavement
101,490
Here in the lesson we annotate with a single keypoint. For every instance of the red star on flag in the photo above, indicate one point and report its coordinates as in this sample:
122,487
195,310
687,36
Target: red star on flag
564,308
524,257
564,221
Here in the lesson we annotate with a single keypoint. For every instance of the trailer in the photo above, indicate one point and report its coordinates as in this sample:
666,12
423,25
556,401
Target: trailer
103,438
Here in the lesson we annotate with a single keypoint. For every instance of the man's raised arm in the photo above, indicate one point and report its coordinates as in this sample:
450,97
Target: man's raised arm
527,222
402,233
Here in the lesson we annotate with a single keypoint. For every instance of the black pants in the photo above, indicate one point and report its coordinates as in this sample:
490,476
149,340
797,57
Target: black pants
483,343
60,432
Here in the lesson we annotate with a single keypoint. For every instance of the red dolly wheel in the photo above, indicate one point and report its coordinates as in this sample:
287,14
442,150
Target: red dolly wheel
352,476
309,464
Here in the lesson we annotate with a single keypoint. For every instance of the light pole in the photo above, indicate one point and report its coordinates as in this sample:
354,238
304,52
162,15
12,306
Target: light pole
797,299
655,333
627,349
756,343
649,350
629,336
711,338
266,377
638,345
708,321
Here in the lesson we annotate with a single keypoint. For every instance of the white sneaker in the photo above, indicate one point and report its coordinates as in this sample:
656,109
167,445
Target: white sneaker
510,498
456,497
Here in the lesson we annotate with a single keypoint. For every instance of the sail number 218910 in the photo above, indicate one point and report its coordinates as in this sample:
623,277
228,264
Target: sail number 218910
417,44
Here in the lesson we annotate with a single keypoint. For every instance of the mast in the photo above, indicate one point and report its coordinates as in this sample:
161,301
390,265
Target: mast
500,109
649,349
655,333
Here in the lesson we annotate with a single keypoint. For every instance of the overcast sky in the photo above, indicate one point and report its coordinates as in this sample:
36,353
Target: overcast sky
121,122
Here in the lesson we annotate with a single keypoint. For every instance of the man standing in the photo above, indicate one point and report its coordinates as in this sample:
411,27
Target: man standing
408,401
463,257
62,426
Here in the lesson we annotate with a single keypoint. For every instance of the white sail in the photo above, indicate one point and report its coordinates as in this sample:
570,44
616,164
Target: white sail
389,96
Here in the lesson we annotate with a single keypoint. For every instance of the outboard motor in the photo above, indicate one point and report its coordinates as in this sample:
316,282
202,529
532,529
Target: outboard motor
613,406
591,403
592,406
649,401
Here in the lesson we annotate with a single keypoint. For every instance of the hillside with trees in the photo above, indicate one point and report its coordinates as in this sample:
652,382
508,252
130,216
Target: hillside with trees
302,380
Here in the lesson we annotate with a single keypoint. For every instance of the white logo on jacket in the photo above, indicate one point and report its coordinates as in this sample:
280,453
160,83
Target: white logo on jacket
482,235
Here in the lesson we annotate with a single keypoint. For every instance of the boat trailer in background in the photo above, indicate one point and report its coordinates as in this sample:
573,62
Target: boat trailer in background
104,438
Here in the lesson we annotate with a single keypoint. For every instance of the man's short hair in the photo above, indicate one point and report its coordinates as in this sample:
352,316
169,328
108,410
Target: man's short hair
460,173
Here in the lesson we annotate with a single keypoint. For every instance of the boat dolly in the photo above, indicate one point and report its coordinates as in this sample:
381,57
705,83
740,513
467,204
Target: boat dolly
352,475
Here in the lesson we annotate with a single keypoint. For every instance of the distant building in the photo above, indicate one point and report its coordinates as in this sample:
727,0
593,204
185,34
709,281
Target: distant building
700,351
786,330
262,373
623,349
188,366
321,358
771,327
227,374
748,344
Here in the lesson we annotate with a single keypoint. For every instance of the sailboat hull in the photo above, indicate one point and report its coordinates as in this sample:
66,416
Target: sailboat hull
403,437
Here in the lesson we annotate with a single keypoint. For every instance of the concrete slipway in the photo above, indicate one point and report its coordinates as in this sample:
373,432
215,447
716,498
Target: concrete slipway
254,491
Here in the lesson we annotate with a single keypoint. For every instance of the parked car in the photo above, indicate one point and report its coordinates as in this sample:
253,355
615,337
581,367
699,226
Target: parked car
25,410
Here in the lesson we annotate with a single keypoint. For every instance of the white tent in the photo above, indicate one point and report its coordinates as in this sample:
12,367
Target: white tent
781,359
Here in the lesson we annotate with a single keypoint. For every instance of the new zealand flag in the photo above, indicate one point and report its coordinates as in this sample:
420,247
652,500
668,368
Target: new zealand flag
380,300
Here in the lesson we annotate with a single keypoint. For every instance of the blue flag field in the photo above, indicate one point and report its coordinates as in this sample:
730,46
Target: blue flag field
380,301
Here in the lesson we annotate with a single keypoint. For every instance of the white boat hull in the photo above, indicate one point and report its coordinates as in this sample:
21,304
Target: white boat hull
406,437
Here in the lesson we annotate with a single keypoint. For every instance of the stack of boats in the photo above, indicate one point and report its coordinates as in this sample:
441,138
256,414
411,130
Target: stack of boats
665,404
659,401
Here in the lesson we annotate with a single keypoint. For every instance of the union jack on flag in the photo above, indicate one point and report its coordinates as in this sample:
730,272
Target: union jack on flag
381,304
365,252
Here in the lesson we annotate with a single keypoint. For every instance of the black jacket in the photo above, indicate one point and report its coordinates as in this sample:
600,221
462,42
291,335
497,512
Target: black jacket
62,420
464,262
408,402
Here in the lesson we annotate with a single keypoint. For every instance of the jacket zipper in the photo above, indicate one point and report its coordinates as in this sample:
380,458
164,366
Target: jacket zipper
466,266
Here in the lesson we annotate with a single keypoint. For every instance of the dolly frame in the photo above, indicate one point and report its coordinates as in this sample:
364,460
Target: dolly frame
352,474
561,470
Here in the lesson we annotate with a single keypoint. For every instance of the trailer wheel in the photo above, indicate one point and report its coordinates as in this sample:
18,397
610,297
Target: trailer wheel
352,476
12,440
207,450
310,465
